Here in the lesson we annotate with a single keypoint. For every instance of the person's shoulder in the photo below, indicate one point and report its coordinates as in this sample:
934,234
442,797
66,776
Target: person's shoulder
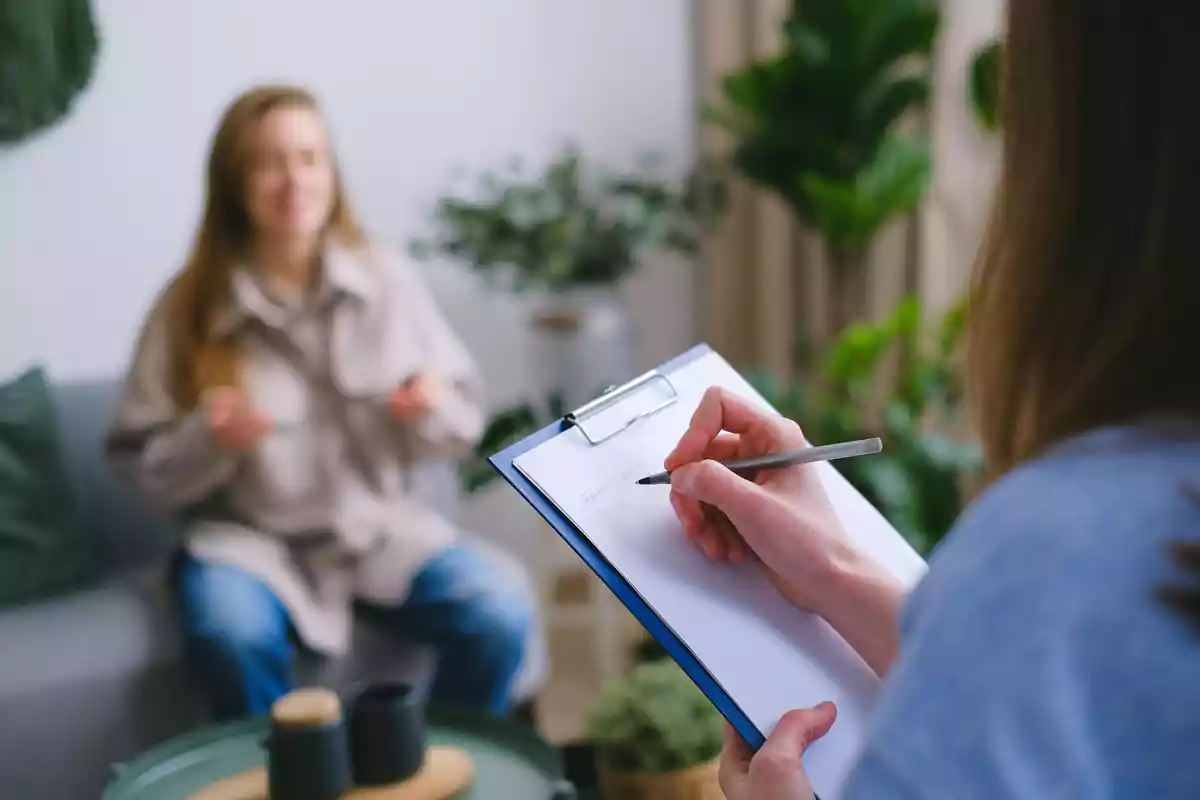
1077,539
1039,608
395,266
372,266
1096,498
161,318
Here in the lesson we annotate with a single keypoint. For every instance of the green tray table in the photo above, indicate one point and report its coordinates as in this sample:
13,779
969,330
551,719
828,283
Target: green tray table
511,761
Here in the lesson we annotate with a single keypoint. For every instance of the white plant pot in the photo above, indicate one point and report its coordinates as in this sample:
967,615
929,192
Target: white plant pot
586,340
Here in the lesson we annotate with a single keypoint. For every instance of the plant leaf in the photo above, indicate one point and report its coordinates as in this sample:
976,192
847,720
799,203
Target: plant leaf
885,102
983,84
894,30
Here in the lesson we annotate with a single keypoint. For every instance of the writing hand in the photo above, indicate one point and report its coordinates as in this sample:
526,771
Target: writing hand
415,398
234,425
776,771
783,515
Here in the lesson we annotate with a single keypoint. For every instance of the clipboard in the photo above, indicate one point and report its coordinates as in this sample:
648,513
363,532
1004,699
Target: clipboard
616,583
659,382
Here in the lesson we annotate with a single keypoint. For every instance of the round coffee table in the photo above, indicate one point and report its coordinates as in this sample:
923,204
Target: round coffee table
510,759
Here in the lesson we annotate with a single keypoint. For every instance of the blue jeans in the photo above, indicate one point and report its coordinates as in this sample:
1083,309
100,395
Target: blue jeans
239,638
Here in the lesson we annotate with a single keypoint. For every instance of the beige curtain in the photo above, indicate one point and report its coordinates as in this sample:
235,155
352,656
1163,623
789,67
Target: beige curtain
765,277
965,159
766,281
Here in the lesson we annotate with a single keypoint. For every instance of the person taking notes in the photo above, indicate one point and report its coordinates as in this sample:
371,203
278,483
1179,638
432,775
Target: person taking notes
1054,646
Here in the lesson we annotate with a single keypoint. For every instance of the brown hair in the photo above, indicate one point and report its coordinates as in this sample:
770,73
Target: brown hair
1082,306
198,359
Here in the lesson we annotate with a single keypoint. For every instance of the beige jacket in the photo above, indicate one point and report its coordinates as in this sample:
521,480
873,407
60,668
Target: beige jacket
323,509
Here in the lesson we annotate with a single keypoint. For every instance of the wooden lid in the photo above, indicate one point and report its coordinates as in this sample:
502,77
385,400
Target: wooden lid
304,708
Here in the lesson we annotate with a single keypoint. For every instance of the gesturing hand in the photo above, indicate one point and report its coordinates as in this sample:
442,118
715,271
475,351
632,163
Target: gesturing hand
415,398
784,515
234,425
776,771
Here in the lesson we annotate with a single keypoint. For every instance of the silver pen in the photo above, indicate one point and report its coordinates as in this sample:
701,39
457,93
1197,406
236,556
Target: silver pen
746,467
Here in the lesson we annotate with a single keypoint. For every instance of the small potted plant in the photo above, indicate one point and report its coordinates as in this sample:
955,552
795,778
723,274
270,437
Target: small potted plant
571,232
570,226
656,736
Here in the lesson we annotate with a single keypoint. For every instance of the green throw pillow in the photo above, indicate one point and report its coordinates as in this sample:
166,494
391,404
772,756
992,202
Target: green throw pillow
42,551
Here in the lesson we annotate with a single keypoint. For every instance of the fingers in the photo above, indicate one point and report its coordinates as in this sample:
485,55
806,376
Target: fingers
224,405
414,397
726,446
709,482
248,427
797,730
709,529
233,421
421,385
735,761
697,527
722,410
735,751
730,542
257,424
406,402
719,410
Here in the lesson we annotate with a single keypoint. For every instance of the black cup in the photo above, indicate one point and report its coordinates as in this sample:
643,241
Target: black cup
387,734
310,762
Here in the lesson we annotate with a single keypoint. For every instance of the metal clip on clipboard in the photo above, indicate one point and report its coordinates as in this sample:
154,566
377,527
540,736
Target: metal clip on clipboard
615,394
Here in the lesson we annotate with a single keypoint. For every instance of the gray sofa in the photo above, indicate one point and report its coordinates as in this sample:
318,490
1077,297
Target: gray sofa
92,679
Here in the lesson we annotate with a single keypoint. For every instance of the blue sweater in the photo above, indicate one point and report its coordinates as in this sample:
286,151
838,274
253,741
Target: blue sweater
1036,661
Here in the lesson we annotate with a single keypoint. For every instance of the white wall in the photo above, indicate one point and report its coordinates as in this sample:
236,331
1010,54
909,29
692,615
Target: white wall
96,214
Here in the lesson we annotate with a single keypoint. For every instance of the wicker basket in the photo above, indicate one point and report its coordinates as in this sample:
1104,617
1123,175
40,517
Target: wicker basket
693,783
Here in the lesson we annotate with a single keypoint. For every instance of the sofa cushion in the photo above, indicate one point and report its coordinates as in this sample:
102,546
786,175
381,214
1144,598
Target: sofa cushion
128,534
124,626
43,551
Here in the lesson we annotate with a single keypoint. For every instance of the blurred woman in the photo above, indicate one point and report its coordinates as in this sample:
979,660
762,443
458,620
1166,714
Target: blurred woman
1052,649
282,389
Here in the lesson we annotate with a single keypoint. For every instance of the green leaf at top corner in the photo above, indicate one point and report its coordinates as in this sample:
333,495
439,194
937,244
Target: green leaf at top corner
983,84
897,29
887,100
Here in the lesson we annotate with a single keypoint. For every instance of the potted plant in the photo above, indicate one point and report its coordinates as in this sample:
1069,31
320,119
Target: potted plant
572,234
920,480
656,736
818,124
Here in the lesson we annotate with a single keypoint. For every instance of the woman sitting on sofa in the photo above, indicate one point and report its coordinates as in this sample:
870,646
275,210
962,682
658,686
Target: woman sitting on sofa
282,388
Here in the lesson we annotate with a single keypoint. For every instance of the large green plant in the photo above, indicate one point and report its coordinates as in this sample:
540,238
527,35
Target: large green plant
568,225
917,481
817,123
654,720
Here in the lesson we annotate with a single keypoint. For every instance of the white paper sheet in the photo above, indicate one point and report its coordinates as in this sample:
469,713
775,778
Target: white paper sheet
767,655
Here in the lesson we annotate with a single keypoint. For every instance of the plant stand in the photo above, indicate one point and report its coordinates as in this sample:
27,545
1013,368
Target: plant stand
573,597
586,339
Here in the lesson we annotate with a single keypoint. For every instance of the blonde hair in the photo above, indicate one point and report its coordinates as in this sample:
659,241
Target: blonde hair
199,360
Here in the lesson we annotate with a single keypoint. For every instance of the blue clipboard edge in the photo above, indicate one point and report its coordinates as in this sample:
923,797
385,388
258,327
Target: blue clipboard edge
676,648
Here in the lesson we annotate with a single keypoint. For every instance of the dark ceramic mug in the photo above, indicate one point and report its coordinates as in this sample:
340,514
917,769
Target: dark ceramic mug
310,762
386,724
